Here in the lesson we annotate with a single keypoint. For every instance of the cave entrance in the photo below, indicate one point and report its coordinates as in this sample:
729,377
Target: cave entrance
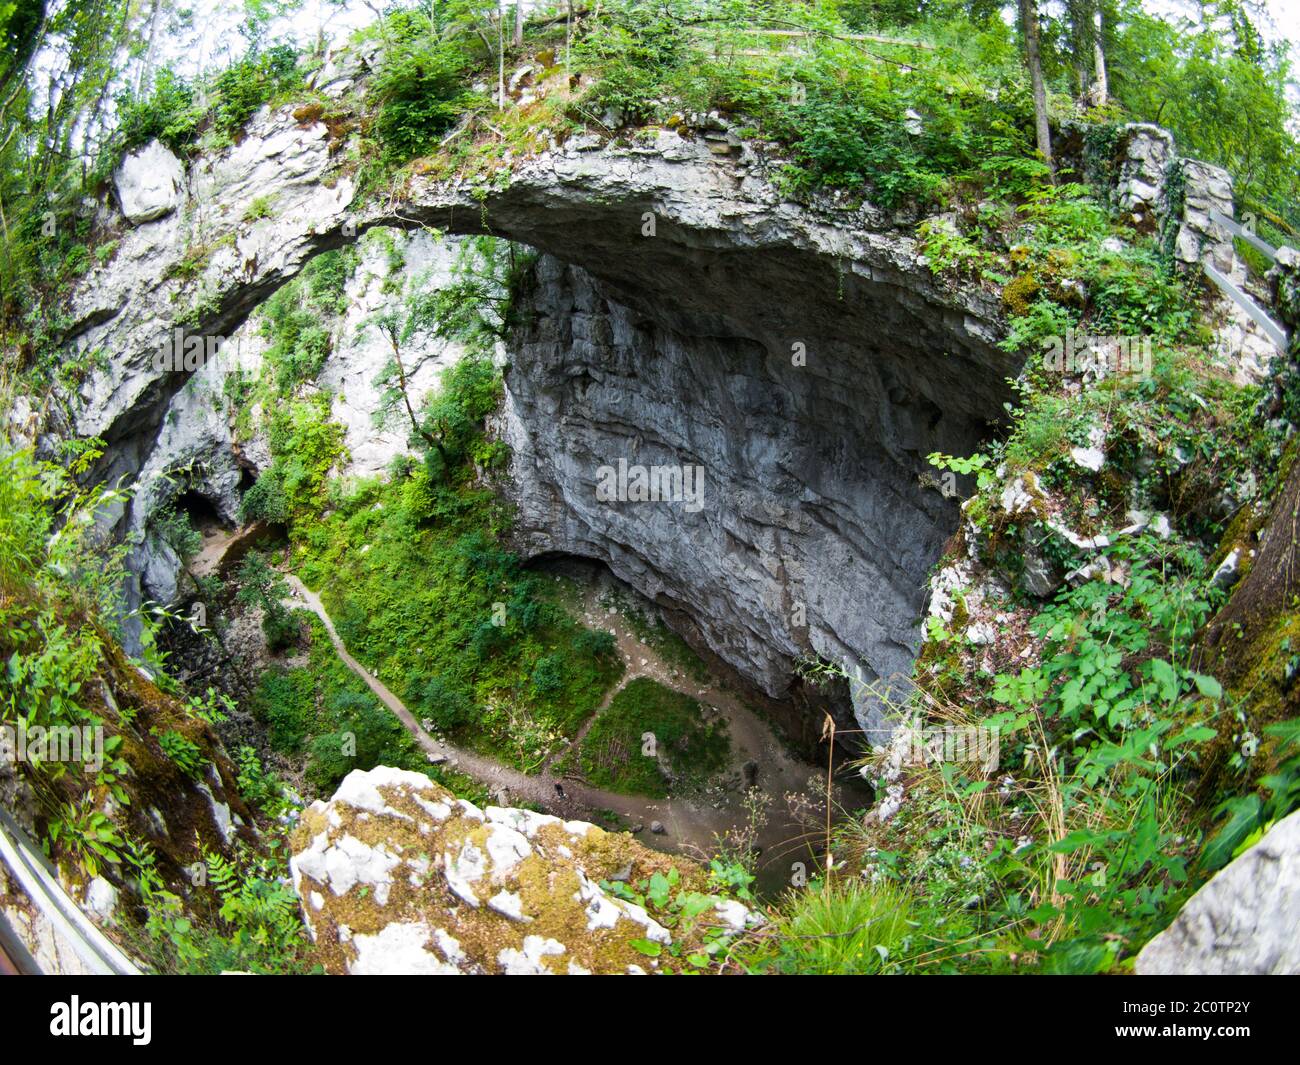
201,512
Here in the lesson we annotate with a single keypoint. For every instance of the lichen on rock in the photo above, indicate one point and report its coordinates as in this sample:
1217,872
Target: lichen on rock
397,875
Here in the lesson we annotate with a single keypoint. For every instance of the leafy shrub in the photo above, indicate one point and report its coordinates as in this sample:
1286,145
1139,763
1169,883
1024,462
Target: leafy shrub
548,676
636,48
306,446
258,785
168,113
261,586
364,734
265,500
258,924
296,320
249,82
449,707
281,628
420,91
175,528
597,643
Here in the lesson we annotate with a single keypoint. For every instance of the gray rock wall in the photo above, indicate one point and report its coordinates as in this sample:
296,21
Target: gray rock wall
1245,921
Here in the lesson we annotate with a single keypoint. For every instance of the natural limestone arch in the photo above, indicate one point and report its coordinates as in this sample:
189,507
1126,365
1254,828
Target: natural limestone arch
683,311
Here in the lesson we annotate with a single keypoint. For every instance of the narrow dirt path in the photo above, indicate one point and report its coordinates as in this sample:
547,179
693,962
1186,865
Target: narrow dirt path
572,799
692,825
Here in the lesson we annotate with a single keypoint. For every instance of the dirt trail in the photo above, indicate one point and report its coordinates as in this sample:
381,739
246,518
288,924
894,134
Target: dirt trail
692,824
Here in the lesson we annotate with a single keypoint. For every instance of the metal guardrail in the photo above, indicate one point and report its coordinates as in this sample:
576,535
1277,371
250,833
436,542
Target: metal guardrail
29,868
1275,332
1238,230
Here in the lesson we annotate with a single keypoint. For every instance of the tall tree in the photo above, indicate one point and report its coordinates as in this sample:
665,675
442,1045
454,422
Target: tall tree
1034,57
1084,38
1101,80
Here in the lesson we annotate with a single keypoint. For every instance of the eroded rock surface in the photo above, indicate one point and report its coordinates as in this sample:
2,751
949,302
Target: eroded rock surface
397,875
149,183
1246,920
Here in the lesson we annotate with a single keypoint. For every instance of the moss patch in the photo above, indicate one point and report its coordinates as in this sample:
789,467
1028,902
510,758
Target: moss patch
647,717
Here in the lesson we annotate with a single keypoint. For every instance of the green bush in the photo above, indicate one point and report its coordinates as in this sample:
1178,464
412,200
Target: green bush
363,734
548,676
837,929
280,628
448,706
175,528
183,751
168,113
251,81
595,643
420,91
265,500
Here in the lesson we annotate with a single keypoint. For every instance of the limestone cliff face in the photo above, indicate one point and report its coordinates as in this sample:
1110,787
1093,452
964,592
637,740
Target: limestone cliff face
811,533
683,314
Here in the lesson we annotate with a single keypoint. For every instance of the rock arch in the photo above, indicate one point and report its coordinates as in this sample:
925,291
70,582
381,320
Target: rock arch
682,312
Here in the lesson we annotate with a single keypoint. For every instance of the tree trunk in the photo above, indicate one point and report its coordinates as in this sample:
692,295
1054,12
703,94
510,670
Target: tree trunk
1102,82
519,23
1029,24
146,67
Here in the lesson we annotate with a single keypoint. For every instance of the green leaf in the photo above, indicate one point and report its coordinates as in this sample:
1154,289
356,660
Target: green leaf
648,947
1166,679
1193,734
659,890
1208,686
1244,813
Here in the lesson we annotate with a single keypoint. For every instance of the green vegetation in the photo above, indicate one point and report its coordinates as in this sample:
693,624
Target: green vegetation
176,529
651,740
1112,764
411,568
834,929
61,617
1128,772
324,712
257,927
183,751
422,593
261,586
676,904
296,320
179,113
420,90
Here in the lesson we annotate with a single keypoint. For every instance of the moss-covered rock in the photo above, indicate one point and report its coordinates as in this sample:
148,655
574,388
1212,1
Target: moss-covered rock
397,875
